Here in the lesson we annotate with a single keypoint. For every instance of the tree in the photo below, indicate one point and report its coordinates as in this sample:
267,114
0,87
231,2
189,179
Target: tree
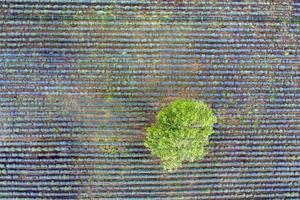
180,132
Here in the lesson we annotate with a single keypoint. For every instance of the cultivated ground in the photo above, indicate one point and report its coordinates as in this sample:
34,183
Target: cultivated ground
80,80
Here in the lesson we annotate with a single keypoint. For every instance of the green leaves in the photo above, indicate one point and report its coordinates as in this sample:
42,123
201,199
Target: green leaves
180,132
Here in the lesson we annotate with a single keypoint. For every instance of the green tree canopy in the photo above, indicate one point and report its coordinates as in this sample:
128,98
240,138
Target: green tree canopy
180,132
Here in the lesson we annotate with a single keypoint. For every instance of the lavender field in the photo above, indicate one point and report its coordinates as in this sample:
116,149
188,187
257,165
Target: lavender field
80,81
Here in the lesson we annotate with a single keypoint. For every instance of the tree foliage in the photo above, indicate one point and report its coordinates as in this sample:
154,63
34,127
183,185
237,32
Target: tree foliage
180,132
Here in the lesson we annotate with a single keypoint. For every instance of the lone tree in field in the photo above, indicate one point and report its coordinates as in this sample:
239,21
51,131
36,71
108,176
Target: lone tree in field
180,132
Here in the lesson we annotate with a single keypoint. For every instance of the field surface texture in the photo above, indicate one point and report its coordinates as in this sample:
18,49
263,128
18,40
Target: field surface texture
81,79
